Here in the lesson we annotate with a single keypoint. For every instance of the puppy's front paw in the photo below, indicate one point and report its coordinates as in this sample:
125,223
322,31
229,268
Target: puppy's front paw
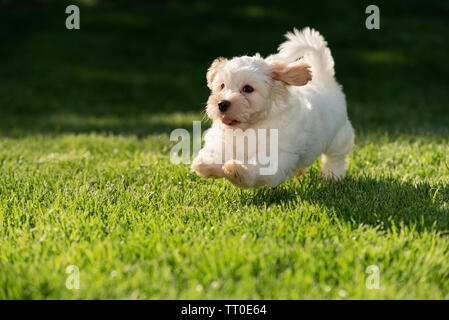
237,173
206,170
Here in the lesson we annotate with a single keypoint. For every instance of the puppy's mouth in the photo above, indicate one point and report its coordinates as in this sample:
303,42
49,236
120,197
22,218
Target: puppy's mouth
229,122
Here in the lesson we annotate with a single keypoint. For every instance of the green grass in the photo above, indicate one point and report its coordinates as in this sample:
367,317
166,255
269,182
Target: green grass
85,176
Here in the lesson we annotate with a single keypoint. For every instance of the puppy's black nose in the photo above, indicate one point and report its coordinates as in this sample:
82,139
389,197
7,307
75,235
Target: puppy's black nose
224,105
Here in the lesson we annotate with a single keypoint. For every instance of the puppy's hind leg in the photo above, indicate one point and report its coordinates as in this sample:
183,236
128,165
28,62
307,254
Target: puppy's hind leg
335,159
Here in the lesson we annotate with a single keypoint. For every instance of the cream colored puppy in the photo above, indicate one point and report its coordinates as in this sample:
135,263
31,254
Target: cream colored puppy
293,92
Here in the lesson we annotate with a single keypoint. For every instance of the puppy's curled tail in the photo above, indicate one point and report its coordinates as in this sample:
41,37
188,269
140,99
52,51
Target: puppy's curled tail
309,44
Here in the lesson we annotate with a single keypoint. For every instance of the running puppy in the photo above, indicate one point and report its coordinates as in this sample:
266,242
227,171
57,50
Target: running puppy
294,92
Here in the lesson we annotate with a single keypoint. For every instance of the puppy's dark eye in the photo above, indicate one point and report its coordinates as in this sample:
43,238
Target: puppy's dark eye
222,86
247,89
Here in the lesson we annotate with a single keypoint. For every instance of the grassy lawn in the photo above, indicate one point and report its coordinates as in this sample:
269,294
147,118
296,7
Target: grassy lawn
86,177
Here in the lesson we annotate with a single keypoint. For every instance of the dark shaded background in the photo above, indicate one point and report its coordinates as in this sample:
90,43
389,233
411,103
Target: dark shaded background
133,62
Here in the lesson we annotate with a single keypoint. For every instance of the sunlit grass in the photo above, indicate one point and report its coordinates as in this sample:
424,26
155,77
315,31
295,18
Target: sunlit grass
86,177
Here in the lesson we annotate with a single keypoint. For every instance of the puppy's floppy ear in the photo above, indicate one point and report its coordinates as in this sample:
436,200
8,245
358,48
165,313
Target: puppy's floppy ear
213,69
295,73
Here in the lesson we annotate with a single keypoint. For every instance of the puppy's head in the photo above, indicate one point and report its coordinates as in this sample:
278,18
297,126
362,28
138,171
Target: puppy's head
244,88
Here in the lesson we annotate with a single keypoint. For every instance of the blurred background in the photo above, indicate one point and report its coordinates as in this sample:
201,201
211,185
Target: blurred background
138,67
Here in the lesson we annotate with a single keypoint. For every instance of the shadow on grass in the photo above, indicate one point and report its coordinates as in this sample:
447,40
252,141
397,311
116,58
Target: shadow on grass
384,203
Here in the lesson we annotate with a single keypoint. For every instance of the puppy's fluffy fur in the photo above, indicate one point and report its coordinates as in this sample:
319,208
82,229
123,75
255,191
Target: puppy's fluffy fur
294,91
